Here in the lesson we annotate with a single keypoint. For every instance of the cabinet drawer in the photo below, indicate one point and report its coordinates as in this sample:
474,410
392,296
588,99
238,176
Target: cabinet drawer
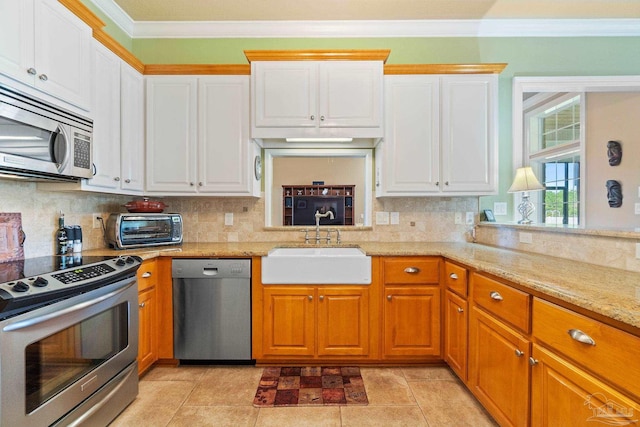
455,278
411,270
612,355
147,275
502,300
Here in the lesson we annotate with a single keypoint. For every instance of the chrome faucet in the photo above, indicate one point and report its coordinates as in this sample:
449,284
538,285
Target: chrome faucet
318,215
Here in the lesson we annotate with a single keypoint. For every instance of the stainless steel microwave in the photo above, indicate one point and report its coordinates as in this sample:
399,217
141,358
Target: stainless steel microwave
136,230
40,141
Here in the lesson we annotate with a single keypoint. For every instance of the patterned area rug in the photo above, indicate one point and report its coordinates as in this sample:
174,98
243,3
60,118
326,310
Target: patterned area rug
311,386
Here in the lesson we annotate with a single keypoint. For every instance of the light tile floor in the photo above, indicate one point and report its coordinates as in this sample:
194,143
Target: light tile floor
218,396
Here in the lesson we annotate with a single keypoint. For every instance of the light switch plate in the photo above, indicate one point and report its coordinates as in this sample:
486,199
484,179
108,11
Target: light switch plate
499,208
395,218
382,218
526,237
228,218
469,218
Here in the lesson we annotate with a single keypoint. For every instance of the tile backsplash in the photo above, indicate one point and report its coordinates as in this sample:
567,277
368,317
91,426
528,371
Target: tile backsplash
429,219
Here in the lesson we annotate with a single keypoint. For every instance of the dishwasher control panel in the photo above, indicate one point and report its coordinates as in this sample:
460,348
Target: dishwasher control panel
202,267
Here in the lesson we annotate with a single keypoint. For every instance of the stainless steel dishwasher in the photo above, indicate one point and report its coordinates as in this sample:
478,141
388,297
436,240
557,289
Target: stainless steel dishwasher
212,309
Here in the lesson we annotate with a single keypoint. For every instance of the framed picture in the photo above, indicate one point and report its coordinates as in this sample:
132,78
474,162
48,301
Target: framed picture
488,215
302,204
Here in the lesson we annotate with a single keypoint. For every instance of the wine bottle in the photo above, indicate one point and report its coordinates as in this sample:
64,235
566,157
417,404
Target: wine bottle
61,236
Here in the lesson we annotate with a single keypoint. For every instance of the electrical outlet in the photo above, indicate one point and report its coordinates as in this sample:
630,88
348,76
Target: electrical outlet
526,237
96,221
395,218
638,250
499,208
637,208
458,218
228,218
382,218
469,219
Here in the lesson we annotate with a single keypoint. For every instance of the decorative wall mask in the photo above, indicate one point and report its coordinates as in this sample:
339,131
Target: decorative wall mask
614,152
614,193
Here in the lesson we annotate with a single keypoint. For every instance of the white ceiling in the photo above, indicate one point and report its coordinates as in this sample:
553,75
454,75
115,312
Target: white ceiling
313,10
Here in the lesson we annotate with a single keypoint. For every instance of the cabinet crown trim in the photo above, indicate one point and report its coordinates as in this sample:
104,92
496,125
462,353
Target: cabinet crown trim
489,68
318,55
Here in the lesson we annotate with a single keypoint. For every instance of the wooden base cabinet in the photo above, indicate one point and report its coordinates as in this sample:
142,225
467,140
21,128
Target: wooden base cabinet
455,339
315,321
411,308
147,316
499,369
565,395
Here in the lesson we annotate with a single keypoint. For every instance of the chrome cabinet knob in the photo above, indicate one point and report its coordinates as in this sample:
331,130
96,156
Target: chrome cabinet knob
32,71
141,305
43,77
322,118
453,276
310,297
146,274
446,183
519,353
532,361
116,178
191,184
321,297
312,117
128,181
460,310
437,183
388,297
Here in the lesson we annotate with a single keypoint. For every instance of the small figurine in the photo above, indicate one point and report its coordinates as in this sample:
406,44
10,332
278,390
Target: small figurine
614,152
614,193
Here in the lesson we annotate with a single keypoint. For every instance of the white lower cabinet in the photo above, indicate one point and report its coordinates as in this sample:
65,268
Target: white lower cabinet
440,136
198,138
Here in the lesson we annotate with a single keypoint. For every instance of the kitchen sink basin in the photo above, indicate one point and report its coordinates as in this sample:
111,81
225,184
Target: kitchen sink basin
316,265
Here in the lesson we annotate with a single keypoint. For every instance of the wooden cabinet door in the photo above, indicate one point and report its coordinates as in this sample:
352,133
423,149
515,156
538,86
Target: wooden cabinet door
288,321
343,321
469,133
564,395
172,105
409,156
455,338
147,335
411,321
499,369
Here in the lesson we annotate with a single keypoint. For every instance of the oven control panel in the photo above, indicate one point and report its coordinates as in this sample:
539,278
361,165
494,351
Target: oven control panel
65,283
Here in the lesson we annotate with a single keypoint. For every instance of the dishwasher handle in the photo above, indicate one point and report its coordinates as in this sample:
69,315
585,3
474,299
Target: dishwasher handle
210,271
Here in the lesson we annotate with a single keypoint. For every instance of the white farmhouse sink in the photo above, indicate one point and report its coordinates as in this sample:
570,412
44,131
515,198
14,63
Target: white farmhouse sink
316,265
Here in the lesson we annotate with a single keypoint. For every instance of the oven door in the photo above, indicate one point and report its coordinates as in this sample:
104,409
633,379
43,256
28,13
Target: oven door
54,358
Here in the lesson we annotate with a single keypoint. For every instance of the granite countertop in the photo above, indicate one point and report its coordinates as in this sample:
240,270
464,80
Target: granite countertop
607,291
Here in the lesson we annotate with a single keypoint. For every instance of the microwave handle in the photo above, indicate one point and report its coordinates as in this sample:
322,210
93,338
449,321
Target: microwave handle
60,146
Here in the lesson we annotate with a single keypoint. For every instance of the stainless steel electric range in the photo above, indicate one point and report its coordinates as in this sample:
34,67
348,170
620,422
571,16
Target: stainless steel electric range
68,340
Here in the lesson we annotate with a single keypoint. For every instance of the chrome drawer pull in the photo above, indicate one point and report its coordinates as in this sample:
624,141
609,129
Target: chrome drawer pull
580,336
412,270
519,353
496,296
146,274
454,276
460,310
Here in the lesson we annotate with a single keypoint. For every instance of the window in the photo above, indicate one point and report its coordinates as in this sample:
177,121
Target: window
553,137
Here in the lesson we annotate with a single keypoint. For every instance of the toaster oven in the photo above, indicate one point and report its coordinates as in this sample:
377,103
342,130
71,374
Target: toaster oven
136,230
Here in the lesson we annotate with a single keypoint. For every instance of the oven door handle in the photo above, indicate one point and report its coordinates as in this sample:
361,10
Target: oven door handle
46,317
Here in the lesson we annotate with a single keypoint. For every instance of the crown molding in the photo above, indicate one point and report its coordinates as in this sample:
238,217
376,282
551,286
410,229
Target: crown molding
362,28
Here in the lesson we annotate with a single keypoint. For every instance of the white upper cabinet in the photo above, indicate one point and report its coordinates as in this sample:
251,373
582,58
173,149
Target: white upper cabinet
131,129
105,106
440,136
198,136
469,133
317,99
45,46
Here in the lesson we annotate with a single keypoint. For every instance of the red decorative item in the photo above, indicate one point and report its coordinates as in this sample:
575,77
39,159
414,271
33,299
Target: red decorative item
145,206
